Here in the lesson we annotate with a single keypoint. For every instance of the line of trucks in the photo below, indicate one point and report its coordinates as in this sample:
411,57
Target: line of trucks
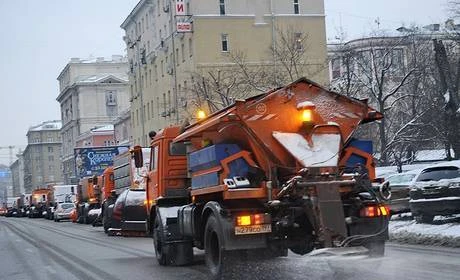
275,172
41,202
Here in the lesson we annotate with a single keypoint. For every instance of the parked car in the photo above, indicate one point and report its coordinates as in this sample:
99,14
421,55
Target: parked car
128,213
63,211
3,211
11,212
400,185
436,192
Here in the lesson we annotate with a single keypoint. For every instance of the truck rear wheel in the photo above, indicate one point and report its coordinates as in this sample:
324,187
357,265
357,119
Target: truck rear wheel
158,242
217,259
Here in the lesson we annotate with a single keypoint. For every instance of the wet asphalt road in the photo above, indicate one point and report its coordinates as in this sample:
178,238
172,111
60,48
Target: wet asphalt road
41,249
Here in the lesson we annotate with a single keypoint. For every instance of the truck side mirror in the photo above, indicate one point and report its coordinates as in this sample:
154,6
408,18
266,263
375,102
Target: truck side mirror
137,155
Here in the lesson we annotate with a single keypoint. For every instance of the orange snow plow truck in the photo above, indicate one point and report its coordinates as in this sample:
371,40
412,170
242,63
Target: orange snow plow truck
277,171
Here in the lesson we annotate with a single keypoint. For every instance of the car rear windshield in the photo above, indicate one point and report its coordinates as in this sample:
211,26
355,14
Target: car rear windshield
438,173
67,205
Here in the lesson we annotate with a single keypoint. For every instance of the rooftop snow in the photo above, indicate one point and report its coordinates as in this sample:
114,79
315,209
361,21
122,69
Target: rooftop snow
49,125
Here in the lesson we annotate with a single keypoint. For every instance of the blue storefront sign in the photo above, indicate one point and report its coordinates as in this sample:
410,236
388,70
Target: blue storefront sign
93,161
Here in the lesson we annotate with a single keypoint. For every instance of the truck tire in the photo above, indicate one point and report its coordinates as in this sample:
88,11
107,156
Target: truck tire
218,261
158,242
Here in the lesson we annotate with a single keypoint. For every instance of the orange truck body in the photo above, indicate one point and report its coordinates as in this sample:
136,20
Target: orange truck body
41,196
88,197
291,181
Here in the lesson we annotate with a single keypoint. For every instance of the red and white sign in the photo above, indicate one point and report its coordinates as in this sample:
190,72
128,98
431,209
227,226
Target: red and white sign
180,8
184,27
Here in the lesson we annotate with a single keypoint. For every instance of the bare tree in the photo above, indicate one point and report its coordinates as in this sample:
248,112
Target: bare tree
218,87
447,60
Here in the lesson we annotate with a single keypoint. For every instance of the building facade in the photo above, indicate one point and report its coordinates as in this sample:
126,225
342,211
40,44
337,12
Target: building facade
122,129
17,174
92,94
167,42
42,164
96,137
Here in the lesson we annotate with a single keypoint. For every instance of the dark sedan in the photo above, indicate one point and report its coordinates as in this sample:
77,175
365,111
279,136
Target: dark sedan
128,214
436,192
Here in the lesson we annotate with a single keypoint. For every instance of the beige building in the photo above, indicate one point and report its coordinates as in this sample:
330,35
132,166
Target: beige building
163,58
93,92
122,129
42,164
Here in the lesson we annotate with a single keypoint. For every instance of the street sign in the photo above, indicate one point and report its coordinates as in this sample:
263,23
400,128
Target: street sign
180,8
184,27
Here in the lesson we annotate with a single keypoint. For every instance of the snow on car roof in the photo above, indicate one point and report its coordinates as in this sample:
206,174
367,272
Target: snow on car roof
455,163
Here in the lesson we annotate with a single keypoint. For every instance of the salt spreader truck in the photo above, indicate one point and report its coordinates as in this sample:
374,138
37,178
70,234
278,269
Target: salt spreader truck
277,171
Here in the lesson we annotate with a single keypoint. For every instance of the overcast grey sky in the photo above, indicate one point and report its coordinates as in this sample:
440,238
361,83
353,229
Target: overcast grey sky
38,38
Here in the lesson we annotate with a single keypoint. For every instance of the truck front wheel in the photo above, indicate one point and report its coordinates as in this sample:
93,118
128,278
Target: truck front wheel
158,242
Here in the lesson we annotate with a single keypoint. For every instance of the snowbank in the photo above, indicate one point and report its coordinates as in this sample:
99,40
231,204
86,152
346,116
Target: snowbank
443,232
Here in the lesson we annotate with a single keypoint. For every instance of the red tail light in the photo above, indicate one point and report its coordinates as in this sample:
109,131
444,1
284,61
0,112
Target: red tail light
375,211
254,219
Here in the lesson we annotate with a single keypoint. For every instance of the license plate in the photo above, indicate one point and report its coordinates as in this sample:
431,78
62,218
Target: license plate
254,229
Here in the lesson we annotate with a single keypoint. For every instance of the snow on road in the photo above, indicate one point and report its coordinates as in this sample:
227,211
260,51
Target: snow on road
444,231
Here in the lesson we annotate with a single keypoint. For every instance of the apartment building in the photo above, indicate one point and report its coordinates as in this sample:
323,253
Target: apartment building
168,41
93,92
42,164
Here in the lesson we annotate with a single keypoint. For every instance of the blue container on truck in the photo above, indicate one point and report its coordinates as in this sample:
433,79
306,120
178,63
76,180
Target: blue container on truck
210,157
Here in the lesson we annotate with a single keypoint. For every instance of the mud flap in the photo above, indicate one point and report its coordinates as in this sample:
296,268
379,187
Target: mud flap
331,214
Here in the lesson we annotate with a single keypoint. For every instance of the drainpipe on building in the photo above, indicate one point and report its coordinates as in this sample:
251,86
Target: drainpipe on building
273,41
173,32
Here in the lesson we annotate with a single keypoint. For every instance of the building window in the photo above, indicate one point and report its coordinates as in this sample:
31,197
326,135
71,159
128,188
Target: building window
224,39
222,7
296,7
151,106
177,56
298,41
148,110
50,158
335,63
50,149
182,47
111,98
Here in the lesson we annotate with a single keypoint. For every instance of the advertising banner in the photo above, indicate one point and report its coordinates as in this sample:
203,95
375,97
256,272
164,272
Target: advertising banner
93,160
